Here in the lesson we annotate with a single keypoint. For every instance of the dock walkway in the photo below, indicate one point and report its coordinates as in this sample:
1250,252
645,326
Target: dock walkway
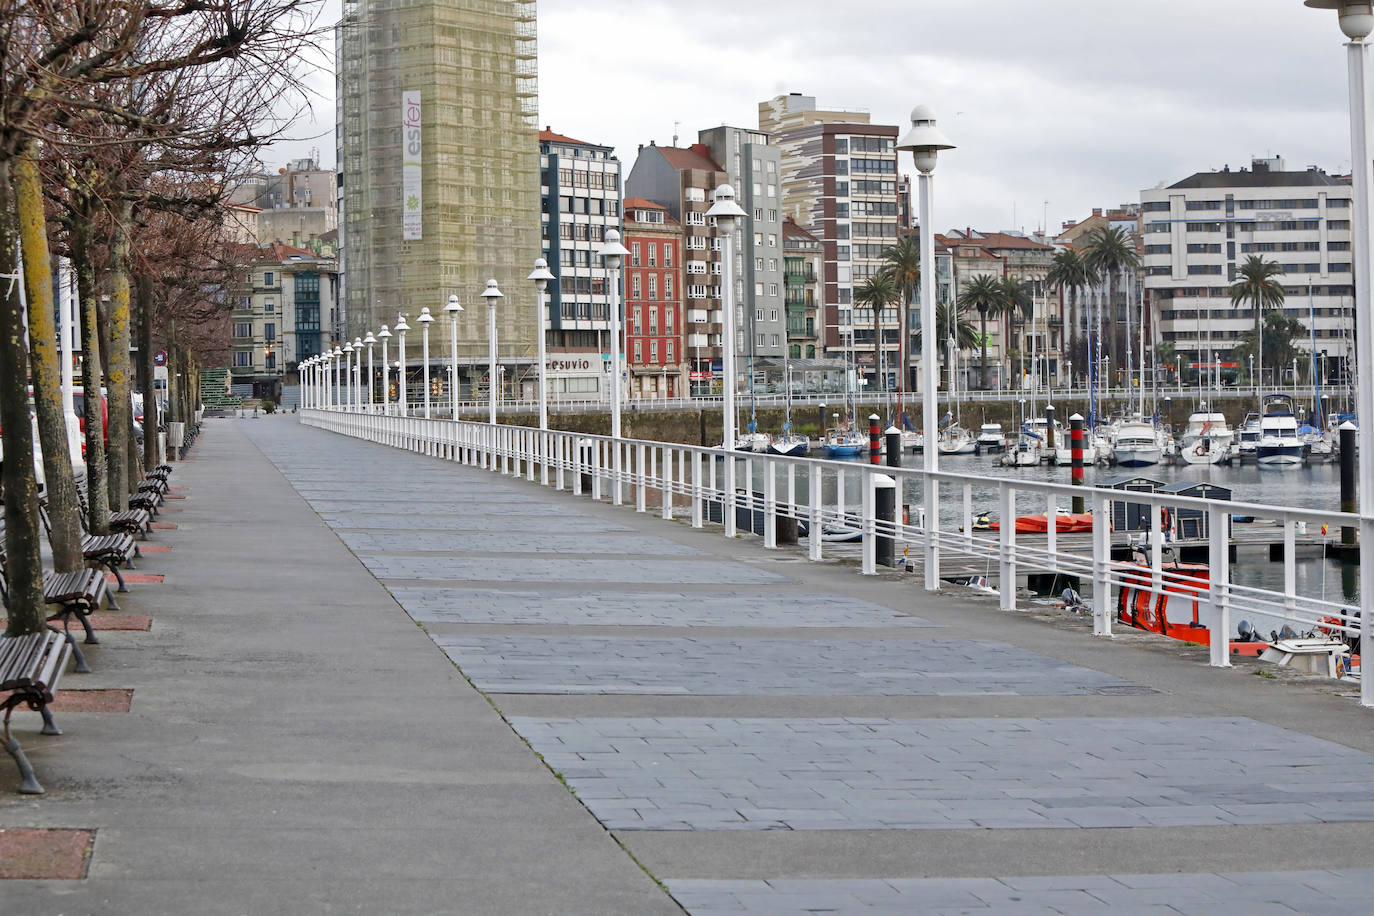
380,682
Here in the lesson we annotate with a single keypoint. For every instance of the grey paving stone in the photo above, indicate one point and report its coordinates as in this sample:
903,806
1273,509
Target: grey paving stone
512,542
588,608
555,569
495,522
704,667
1204,762
1171,893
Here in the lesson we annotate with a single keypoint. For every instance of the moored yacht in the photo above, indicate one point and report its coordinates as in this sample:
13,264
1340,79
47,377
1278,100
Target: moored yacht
1279,445
1137,444
991,438
1206,439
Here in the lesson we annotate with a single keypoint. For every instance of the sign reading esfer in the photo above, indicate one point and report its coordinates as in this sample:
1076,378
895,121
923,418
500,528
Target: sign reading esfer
410,167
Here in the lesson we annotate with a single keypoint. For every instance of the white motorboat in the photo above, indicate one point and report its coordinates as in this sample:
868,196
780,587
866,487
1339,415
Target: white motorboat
1207,439
955,440
991,438
1137,444
796,446
912,441
1279,445
1249,438
752,442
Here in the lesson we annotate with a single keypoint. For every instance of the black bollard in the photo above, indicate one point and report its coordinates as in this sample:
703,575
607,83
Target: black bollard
1049,426
1348,489
894,446
885,507
820,421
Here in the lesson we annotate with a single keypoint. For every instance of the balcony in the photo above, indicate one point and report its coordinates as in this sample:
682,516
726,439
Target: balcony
799,277
697,316
697,340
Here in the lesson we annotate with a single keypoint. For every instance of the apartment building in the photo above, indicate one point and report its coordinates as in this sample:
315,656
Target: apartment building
438,145
839,180
653,301
580,199
802,270
1199,230
682,182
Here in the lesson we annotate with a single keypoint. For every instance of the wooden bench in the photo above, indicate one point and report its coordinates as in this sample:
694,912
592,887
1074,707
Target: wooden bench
76,594
111,551
30,667
129,521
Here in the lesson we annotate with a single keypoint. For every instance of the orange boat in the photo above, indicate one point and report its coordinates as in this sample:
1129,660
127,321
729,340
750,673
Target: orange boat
1184,585
1040,524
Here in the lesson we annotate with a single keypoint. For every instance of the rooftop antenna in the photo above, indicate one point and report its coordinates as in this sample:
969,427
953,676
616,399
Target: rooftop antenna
676,125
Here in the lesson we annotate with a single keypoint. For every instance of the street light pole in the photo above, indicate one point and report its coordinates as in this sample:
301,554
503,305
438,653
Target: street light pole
384,335
613,255
925,141
338,371
425,319
541,275
369,340
492,294
357,379
1357,21
727,212
401,328
452,310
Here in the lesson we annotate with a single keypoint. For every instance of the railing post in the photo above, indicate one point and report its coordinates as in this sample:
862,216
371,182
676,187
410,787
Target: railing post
868,524
596,469
814,499
1052,530
696,489
1102,565
728,500
1219,585
1290,566
641,497
575,461
1006,587
770,505
666,474
931,500
560,455
617,471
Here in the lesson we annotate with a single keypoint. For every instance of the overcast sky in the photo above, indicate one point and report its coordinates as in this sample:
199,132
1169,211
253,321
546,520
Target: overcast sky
1078,103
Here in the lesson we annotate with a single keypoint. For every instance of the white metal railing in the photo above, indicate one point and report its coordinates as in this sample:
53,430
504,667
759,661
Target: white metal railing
760,490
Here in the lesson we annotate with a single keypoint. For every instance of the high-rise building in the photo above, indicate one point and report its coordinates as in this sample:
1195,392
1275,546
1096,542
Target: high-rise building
653,300
753,168
1200,230
802,256
580,189
682,181
839,180
439,161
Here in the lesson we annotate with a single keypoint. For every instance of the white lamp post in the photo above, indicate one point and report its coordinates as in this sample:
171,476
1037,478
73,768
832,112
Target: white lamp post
348,376
726,211
425,319
338,376
357,373
369,340
541,275
401,328
613,255
492,294
383,335
452,310
925,141
1357,21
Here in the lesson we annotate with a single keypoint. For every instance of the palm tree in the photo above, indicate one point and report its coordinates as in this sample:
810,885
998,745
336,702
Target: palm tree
1110,251
904,263
1256,285
877,292
1018,306
949,323
1070,271
983,293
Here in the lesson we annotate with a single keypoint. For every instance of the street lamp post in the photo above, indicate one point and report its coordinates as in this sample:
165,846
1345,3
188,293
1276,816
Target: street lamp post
541,275
369,340
425,319
726,211
401,328
357,373
384,335
347,397
1357,21
925,141
613,255
452,310
492,294
338,373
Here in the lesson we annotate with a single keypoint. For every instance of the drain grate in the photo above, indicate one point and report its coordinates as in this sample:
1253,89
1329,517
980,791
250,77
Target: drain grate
1125,690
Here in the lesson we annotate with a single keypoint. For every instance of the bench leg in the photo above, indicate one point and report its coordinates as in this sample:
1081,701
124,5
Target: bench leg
28,784
114,568
49,726
91,639
109,596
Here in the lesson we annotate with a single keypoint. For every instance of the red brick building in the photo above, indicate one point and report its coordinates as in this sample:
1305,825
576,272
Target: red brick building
653,301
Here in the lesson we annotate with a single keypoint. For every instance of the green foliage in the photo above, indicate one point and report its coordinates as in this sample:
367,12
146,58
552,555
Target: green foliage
1281,334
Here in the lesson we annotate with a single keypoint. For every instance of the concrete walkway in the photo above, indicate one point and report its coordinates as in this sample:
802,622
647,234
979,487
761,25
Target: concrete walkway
760,733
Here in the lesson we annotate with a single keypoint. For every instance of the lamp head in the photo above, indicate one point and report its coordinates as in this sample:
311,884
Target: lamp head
541,275
369,339
400,325
347,348
357,343
1356,16
611,251
338,352
383,334
453,308
925,140
492,293
725,209
425,317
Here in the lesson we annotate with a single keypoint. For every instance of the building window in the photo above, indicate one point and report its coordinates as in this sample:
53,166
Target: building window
269,278
772,214
653,351
696,219
243,329
634,254
269,306
668,319
653,320
669,355
269,332
634,320
270,359
667,254
636,293
772,289
243,358
772,240
639,351
668,286
653,285
653,255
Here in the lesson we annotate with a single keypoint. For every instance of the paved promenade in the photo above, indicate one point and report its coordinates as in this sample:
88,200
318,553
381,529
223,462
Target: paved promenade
379,682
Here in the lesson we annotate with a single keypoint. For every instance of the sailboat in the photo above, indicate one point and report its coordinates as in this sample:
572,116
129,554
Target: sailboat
954,439
788,443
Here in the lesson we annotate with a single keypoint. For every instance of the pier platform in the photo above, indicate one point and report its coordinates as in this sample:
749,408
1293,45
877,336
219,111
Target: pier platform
381,682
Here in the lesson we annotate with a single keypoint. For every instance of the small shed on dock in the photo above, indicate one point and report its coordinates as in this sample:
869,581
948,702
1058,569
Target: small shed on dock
1132,516
1189,523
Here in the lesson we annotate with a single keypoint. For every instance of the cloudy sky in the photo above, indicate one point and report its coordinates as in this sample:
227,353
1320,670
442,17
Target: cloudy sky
1057,106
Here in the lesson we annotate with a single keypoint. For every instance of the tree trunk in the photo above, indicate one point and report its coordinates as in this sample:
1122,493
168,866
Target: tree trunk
18,484
63,509
147,371
983,342
878,379
121,418
97,497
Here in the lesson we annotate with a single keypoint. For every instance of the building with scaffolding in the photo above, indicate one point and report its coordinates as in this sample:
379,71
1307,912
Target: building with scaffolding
439,167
